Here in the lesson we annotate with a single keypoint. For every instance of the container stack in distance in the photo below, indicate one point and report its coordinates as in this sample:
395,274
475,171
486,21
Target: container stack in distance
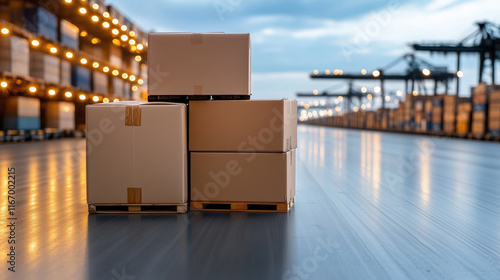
242,151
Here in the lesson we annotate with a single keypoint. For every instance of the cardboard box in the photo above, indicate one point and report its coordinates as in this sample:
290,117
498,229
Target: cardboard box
243,177
198,64
243,125
59,115
136,153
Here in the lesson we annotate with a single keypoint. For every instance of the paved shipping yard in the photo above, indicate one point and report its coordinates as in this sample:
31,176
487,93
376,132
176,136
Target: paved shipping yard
369,205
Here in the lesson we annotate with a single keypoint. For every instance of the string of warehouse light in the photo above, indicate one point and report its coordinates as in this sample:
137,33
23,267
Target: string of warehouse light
56,49
377,73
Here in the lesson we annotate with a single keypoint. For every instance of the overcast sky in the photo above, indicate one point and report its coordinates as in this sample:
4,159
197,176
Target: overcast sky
292,38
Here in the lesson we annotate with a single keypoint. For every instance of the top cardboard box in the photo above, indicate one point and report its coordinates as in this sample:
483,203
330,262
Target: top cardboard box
243,125
198,64
136,153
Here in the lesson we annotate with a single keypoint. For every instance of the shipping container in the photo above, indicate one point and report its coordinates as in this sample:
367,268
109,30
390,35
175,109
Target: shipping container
437,113
494,114
69,34
46,67
449,112
80,77
41,22
464,111
14,55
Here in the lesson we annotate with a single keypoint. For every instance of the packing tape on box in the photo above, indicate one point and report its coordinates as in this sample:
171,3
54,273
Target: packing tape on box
132,116
196,39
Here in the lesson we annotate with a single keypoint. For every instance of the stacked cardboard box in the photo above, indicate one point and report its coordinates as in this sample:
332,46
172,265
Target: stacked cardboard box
419,116
136,157
42,22
100,82
463,118
46,67
428,115
58,116
81,77
243,151
480,99
400,117
65,73
69,34
494,114
14,55
21,113
449,104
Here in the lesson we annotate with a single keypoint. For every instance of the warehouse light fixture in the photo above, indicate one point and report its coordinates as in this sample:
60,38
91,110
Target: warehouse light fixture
369,105
399,93
336,72
35,43
95,41
105,69
315,70
316,103
426,72
115,31
124,38
131,33
32,89
53,50
68,94
69,55
369,96
340,98
105,14
82,97
95,98
115,72
315,92
140,47
134,88
387,98
52,92
82,11
132,42
133,48
83,61
84,33
341,72
95,18
117,42
95,6
327,72
460,74
116,100
123,27
68,1
364,89
3,84
355,109
363,106
377,89
415,93
95,64
132,78
376,73
125,75
363,71
140,81
138,58
115,21
105,100
105,24
5,31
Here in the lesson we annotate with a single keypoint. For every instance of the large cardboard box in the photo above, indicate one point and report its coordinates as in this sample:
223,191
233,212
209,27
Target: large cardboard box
198,64
243,125
243,177
136,153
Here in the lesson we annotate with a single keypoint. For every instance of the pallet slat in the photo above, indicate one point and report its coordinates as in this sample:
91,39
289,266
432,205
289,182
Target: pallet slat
137,208
281,207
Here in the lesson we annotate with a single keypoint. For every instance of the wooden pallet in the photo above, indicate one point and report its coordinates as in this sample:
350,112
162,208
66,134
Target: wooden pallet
137,208
280,207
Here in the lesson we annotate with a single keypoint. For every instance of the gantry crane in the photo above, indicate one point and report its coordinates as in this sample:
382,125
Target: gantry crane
349,95
417,71
485,41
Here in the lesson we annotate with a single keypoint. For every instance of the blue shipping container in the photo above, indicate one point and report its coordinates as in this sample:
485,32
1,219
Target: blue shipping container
42,22
21,123
80,77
